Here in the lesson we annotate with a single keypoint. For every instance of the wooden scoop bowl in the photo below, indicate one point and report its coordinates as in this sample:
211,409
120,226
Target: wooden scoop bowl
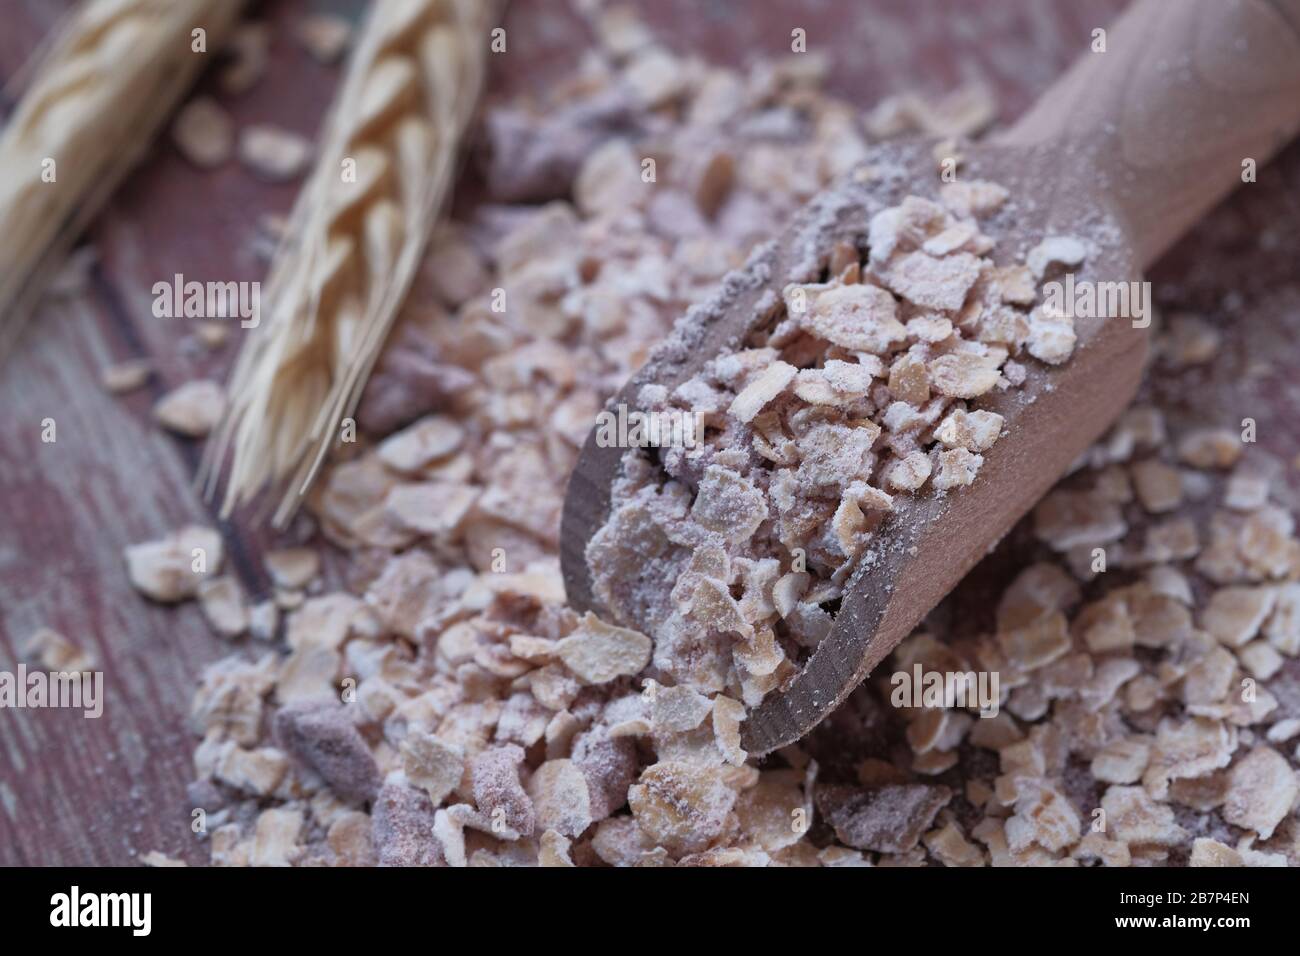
1129,149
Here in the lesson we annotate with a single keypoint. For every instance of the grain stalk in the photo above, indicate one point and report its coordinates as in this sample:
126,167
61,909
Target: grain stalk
95,97
352,246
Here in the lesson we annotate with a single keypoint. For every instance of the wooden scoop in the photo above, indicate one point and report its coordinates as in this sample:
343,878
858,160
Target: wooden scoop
1130,148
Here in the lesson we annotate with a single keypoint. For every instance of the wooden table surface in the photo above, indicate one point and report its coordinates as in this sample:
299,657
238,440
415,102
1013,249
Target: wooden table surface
103,792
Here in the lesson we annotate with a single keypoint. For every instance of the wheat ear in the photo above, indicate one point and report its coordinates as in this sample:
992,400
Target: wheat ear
352,245
97,94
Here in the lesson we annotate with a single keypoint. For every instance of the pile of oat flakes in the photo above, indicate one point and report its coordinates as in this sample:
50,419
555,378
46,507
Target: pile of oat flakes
857,393
446,707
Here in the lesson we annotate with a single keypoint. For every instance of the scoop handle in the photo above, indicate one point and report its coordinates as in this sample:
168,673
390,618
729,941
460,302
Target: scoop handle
1163,121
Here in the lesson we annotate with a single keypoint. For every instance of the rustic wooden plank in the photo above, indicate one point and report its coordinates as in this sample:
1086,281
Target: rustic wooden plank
73,789
102,791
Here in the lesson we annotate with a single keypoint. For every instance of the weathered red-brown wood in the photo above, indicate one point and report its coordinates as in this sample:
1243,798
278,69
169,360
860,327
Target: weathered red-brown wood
74,791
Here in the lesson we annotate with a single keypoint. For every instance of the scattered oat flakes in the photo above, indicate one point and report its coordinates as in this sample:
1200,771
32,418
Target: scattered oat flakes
1159,487
560,796
275,840
1056,250
428,440
598,652
610,180
554,850
1235,614
909,473
767,386
192,409
292,567
222,602
433,765
273,153
127,376
323,737
1207,852
204,133
1262,790
963,375
1133,817
681,807
1210,448
171,569
1121,761
890,819
54,652
324,36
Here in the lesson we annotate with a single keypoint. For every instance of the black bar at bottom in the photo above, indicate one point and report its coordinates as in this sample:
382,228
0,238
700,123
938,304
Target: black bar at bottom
333,906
